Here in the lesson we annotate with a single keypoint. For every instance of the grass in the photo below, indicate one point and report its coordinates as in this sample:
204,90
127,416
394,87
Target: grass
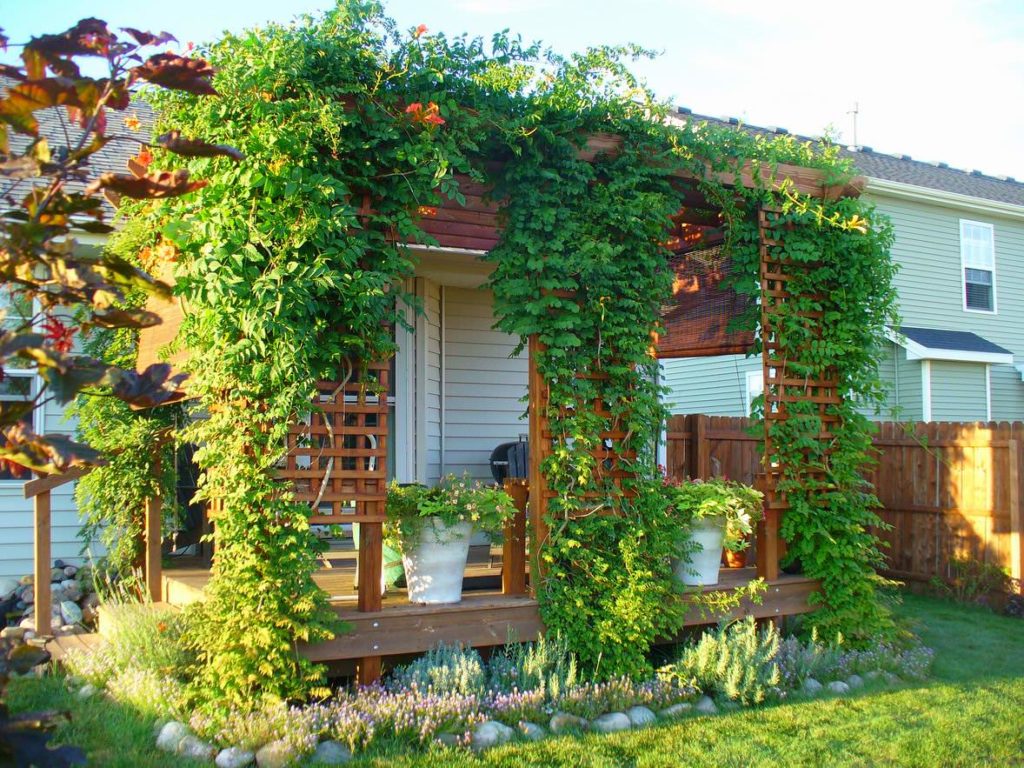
968,714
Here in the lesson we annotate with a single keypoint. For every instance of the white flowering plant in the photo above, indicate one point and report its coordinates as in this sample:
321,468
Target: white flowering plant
455,499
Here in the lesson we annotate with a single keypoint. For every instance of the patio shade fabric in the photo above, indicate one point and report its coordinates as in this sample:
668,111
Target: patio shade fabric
698,317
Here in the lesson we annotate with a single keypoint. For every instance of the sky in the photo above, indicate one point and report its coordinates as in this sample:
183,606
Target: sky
940,80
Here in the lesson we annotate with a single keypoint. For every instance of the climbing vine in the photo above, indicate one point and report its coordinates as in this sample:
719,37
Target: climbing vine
290,266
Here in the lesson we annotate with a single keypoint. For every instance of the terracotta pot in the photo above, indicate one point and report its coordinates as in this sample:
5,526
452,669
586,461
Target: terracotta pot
735,559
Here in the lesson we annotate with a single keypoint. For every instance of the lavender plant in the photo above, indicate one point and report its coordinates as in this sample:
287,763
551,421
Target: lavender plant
446,669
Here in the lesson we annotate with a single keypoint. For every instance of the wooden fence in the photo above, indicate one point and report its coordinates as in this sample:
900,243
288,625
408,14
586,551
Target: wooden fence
948,490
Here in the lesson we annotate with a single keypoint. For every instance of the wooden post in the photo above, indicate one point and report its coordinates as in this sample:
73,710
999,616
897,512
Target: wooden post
513,551
538,487
1016,522
701,448
371,564
152,537
43,564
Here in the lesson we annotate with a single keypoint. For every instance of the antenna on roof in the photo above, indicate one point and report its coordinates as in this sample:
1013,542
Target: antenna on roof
855,111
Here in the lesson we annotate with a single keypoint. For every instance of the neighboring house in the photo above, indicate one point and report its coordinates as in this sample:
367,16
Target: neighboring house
16,528
959,355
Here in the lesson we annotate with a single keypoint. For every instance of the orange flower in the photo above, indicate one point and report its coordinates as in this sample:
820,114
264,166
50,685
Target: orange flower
166,251
420,30
414,109
132,122
426,210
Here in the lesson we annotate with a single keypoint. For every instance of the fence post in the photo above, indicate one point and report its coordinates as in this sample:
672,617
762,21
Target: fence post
701,468
153,537
513,550
41,583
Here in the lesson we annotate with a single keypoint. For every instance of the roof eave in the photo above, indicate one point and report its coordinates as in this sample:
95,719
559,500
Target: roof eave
941,197
916,351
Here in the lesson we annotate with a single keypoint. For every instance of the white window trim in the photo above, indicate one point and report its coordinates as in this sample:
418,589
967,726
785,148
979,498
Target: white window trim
988,392
926,390
752,377
963,269
404,427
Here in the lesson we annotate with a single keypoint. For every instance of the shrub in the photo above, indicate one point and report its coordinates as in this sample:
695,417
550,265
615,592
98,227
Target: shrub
799,660
736,661
250,728
149,692
443,670
547,666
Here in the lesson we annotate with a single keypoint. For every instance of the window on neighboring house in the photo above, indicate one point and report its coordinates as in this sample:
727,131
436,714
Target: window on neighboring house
755,388
17,385
977,252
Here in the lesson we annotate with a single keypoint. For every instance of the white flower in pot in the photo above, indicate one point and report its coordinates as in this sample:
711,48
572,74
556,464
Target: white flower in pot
432,528
712,514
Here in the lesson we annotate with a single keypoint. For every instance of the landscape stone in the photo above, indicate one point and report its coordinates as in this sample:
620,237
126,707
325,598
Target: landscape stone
873,675
27,580
706,706
447,739
532,731
838,686
87,691
57,574
70,571
59,563
8,587
194,747
12,633
812,686
331,753
72,589
70,612
855,681
891,679
641,716
676,710
276,754
611,723
562,722
234,757
489,734
28,594
27,623
171,735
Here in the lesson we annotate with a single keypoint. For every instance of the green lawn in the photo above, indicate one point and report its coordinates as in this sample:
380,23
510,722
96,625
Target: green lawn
969,714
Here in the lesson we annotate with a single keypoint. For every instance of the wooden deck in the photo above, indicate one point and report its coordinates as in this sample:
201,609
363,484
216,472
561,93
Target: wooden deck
485,617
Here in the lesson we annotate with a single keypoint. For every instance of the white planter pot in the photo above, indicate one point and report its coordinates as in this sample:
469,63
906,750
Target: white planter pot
434,566
703,566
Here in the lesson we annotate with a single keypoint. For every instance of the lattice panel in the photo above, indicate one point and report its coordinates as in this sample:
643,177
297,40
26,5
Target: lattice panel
612,460
337,453
784,380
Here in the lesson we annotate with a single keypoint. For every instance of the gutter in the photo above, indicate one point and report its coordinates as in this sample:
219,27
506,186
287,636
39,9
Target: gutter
940,197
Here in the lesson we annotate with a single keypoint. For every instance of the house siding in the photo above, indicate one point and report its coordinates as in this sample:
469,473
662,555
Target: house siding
715,386
905,388
17,527
958,391
484,385
427,394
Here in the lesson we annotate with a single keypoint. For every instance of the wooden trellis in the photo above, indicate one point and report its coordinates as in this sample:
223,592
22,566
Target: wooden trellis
337,462
612,461
784,379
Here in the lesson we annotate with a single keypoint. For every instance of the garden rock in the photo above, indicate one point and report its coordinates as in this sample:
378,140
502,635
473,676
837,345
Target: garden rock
87,691
676,710
194,747
611,722
276,754
72,589
331,753
812,686
640,716
855,681
8,587
532,731
171,735
12,633
57,574
838,686
447,739
891,679
234,757
706,706
70,571
489,734
562,722
70,612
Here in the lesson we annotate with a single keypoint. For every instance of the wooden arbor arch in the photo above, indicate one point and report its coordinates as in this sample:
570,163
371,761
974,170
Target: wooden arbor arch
349,413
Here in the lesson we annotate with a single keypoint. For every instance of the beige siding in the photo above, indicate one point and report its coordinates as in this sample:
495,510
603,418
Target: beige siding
927,250
483,385
716,386
958,391
427,392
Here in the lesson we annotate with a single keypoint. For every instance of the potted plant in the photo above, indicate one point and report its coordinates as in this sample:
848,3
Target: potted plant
432,527
712,514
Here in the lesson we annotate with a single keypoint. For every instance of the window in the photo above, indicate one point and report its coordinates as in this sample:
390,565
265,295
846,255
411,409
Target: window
977,252
18,386
755,388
